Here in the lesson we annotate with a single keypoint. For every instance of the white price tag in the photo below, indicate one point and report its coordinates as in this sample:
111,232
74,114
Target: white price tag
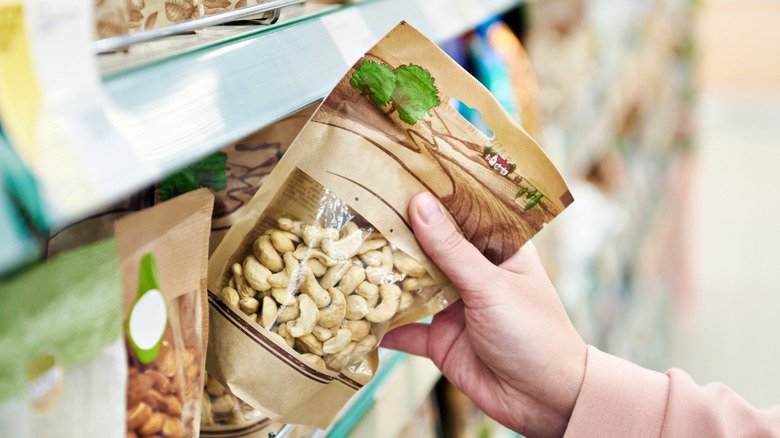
350,32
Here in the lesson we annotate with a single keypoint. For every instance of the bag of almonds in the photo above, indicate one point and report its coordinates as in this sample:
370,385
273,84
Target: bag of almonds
323,260
163,255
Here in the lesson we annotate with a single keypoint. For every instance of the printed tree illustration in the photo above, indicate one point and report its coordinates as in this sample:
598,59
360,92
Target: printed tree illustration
409,88
419,135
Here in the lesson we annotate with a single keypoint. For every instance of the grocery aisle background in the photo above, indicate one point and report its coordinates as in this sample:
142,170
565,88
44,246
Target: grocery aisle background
727,326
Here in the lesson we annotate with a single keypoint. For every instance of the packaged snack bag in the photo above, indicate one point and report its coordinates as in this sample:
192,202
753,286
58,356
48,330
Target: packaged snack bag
62,358
323,260
163,257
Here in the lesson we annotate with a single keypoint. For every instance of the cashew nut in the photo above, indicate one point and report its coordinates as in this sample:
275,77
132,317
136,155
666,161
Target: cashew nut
281,340
337,343
310,343
322,333
389,301
282,332
372,258
351,279
407,299
370,292
311,287
339,360
265,252
224,404
303,252
313,359
230,296
365,345
316,267
213,387
333,314
308,319
371,244
281,242
232,282
288,313
346,247
383,273
415,283
283,296
313,235
207,418
289,225
248,305
334,274
359,328
243,289
269,311
256,274
357,307
407,265
283,278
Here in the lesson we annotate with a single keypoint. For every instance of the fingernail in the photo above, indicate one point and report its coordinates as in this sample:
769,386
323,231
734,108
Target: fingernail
428,209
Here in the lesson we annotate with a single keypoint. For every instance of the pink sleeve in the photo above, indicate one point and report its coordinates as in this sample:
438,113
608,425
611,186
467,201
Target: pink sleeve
618,398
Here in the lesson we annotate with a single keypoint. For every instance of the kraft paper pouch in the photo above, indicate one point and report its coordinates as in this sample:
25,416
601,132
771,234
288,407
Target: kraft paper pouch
323,260
163,254
249,162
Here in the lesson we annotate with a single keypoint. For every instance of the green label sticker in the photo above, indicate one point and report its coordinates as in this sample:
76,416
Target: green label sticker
148,317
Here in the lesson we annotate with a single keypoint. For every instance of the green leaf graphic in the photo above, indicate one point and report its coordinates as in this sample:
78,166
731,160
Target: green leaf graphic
210,172
414,95
375,80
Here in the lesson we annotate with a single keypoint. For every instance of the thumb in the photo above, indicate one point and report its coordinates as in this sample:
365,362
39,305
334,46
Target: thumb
449,250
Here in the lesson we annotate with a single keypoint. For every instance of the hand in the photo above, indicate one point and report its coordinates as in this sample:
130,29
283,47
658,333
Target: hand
508,343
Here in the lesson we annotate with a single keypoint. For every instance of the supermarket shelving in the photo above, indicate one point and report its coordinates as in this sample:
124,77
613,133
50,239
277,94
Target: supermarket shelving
201,92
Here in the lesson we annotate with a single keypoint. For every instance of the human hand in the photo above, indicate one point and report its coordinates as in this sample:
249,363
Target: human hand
508,344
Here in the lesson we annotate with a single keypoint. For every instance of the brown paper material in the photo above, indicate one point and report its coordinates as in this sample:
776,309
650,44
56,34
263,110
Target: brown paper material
110,18
176,234
249,162
362,162
150,14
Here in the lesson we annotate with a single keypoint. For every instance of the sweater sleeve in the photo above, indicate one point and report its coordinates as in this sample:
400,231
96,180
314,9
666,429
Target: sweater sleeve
618,398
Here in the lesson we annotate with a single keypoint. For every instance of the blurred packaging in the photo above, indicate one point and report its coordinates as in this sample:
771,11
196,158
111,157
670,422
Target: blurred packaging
163,252
62,359
150,14
110,18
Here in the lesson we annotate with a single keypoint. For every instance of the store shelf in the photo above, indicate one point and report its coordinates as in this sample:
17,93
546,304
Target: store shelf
183,108
166,104
384,406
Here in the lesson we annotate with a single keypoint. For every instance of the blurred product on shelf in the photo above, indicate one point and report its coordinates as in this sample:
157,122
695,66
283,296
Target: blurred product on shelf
322,263
110,18
163,254
615,93
463,419
62,358
223,415
499,61
426,422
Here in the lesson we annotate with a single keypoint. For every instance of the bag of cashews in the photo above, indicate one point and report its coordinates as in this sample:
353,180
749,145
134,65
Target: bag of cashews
323,260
